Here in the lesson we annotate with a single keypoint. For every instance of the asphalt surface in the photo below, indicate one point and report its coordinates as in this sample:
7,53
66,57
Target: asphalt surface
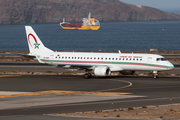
160,91
143,91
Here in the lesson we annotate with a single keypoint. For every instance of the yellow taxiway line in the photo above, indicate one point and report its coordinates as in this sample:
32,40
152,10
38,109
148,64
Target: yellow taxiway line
9,75
64,92
86,92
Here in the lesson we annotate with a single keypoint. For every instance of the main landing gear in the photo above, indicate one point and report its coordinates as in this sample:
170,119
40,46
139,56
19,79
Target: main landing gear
155,74
87,74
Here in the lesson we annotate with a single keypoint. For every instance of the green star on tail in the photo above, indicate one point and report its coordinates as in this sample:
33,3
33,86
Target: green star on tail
36,45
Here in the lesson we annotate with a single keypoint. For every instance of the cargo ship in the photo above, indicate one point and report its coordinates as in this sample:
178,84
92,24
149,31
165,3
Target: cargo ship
87,24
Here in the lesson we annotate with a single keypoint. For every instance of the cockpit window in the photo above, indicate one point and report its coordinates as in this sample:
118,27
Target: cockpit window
158,59
161,59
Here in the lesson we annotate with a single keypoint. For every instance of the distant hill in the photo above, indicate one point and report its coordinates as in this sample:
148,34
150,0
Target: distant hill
53,11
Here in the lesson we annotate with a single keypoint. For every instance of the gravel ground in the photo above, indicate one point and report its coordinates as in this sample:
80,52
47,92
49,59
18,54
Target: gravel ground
144,112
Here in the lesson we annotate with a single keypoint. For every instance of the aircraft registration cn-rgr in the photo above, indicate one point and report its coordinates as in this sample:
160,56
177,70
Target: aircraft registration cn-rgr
101,64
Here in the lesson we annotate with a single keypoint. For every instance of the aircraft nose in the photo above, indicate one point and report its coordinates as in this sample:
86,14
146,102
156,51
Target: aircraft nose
171,66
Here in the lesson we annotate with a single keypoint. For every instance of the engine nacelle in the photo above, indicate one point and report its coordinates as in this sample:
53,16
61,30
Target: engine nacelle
102,71
128,72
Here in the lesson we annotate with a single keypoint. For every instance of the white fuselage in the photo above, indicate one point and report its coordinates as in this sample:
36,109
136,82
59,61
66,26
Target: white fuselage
115,61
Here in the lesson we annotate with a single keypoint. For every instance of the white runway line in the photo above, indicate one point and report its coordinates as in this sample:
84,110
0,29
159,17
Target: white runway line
12,93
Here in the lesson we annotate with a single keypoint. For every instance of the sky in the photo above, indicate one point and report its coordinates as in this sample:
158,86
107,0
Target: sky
165,5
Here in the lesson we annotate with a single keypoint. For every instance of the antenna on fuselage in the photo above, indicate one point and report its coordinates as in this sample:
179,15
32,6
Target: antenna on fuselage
119,51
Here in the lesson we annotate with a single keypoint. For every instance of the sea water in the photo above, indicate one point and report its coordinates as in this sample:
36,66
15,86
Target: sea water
112,36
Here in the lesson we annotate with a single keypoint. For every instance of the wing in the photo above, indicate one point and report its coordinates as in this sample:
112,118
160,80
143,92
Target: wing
76,66
26,55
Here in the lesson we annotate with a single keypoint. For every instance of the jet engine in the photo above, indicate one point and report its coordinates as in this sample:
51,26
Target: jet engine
102,71
128,72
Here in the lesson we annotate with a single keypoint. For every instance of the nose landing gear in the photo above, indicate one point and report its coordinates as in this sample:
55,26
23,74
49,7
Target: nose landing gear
155,74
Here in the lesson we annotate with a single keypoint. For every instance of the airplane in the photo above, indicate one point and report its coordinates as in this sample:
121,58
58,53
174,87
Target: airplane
101,64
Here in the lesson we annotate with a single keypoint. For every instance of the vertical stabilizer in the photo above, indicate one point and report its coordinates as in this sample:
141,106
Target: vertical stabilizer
35,44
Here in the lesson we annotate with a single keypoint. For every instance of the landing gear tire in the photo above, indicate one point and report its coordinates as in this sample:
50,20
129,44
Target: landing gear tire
155,76
87,75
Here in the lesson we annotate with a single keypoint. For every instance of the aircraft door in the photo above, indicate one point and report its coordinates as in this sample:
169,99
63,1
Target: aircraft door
149,60
51,58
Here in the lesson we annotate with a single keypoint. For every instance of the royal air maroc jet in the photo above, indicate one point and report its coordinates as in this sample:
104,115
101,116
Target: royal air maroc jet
101,64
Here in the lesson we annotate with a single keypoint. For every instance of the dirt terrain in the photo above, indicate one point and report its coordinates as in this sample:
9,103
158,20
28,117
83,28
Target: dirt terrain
145,112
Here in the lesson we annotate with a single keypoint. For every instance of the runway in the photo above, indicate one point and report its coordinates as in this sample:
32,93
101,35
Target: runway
86,94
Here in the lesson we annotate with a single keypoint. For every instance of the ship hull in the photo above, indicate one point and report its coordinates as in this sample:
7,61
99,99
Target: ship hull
69,28
89,28
94,27
82,28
